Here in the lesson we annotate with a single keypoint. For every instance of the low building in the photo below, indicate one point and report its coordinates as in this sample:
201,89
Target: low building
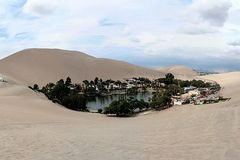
177,102
130,86
199,102
194,92
190,88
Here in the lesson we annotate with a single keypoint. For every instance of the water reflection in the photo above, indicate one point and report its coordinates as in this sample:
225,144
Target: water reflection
101,102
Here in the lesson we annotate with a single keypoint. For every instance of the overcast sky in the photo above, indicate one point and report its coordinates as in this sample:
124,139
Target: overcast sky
203,34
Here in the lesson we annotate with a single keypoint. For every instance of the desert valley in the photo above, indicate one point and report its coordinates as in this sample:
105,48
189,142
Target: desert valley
32,127
119,80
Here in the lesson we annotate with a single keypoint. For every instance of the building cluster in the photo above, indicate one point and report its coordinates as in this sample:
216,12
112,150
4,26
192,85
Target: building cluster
2,80
112,86
197,96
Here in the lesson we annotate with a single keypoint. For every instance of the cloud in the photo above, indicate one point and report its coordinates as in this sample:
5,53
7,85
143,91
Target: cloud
23,36
234,52
107,22
197,29
205,17
40,8
211,12
234,43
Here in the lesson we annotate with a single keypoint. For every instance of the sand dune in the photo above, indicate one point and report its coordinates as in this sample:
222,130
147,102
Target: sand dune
34,128
49,65
180,71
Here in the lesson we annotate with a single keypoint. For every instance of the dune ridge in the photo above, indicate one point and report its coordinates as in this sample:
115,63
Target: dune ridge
180,71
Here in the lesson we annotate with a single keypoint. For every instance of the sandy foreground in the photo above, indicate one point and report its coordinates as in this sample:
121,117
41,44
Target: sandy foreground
31,127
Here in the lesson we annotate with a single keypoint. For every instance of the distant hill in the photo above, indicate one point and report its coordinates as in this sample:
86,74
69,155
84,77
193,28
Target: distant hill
180,71
49,65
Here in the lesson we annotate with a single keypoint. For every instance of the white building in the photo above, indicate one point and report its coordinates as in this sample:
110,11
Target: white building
1,79
130,86
177,102
187,89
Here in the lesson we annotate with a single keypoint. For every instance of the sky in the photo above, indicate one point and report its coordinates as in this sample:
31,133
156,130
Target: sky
202,34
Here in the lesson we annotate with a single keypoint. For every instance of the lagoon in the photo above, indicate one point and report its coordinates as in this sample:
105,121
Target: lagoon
96,103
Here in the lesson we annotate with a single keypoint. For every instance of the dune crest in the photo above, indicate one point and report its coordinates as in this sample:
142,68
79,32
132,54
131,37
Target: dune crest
180,71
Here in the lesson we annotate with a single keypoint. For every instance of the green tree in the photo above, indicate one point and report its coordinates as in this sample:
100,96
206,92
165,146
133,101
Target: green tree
61,81
173,90
35,87
75,102
96,80
123,107
169,77
59,91
161,100
92,83
86,83
68,81
100,110
62,94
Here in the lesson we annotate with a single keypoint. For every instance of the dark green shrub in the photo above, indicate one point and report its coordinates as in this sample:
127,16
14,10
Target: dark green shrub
169,77
161,100
123,108
68,81
173,90
75,102
100,110
59,91
35,87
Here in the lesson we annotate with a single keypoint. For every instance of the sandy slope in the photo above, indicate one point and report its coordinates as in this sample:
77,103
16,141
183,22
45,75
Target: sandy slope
49,65
180,71
33,128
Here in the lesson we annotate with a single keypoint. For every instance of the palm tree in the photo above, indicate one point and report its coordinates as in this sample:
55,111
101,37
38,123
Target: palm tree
92,83
108,83
96,80
86,83
68,81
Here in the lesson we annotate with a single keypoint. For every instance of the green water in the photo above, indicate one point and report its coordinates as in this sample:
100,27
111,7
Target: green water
101,102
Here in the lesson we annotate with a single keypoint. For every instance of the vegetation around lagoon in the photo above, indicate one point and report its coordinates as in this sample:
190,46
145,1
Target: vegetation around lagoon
63,94
74,96
126,107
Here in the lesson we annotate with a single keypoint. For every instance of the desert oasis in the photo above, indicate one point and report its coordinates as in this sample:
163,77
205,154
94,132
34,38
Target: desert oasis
44,114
